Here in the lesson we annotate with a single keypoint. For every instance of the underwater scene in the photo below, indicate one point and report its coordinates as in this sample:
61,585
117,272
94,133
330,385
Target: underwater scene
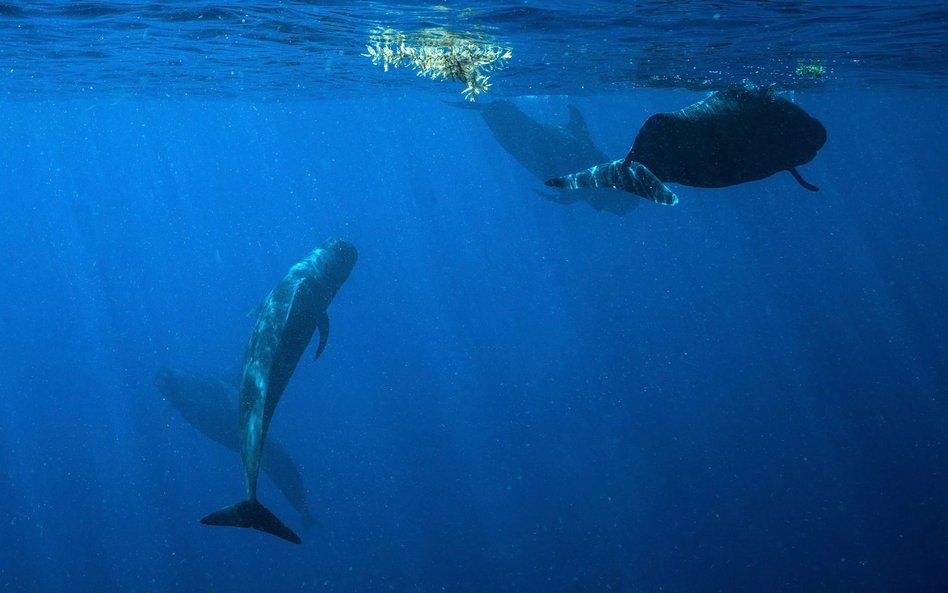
475,296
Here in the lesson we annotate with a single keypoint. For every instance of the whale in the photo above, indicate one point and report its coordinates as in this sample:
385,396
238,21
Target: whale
632,177
209,404
546,149
287,320
542,149
733,136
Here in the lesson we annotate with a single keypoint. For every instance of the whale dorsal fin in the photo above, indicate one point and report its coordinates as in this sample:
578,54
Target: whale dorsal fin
801,180
577,123
322,323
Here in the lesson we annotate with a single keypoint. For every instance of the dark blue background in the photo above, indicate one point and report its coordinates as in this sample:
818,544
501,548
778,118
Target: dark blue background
745,392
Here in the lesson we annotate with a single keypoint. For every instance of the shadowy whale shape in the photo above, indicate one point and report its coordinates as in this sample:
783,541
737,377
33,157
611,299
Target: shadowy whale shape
733,136
209,404
545,150
289,317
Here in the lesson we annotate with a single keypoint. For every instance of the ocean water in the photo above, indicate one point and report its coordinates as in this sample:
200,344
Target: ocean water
747,391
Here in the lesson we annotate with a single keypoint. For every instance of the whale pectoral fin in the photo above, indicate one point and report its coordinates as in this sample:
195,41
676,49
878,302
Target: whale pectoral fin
639,180
801,180
577,123
557,182
323,324
634,178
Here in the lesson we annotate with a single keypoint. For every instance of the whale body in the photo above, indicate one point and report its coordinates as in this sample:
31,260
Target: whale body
734,136
546,149
288,318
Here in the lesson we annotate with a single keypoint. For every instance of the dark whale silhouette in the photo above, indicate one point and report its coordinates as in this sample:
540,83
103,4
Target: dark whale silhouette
545,150
288,318
209,404
733,136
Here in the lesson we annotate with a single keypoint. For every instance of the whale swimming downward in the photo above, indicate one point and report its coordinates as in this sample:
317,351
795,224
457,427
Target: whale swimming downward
288,318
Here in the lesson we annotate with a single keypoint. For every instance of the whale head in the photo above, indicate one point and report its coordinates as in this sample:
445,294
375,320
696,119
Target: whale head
340,257
807,137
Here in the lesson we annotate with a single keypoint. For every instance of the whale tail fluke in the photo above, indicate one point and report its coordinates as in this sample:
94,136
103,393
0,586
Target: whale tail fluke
250,513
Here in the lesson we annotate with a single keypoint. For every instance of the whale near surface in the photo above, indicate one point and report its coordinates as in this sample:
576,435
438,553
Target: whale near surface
209,404
733,136
546,149
288,318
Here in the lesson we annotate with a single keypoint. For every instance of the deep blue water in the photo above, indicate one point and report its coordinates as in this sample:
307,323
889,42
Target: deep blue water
744,392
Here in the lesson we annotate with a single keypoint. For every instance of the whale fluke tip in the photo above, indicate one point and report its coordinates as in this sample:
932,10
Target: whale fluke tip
250,513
